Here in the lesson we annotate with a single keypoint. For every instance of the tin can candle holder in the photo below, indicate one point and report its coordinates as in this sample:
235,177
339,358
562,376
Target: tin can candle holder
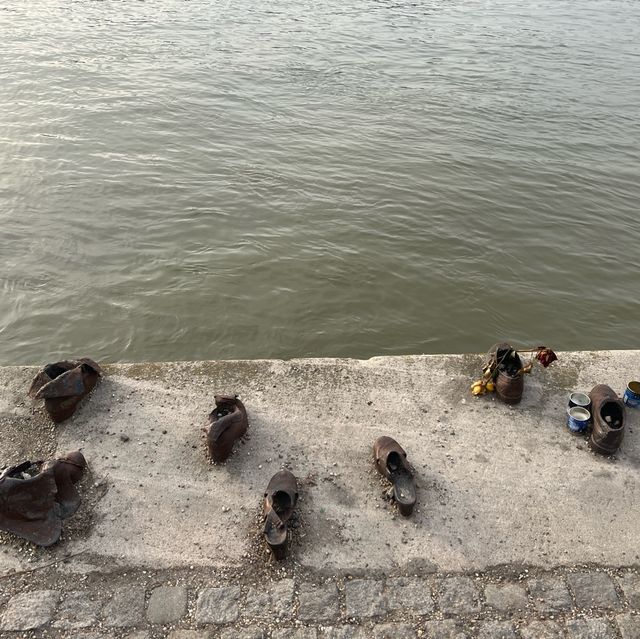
578,419
632,395
580,399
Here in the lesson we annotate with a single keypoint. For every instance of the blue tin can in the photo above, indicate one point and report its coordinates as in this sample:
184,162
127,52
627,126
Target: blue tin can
578,419
632,395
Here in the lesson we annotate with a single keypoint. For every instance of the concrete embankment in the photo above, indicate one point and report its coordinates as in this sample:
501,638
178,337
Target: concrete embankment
496,484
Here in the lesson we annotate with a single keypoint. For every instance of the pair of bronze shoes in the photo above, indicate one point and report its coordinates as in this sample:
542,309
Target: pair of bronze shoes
63,385
36,496
281,495
229,423
608,420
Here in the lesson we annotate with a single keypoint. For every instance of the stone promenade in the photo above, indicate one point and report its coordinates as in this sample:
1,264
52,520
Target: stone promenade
580,603
520,530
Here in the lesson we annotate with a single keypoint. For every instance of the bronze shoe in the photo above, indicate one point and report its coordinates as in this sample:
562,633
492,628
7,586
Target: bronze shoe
607,411
27,505
36,496
391,462
63,385
509,379
280,499
228,424
67,472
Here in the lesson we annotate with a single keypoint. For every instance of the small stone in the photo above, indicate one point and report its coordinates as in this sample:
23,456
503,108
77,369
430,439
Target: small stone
629,626
393,631
630,582
365,598
593,589
295,633
409,595
590,629
257,605
77,611
506,597
318,603
29,610
550,593
497,630
125,608
276,600
218,605
541,630
458,595
167,604
253,632
448,629
124,438
189,634
343,632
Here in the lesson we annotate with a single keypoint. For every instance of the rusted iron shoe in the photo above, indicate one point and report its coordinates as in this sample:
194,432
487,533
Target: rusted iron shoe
509,379
608,415
391,462
36,496
228,424
280,500
63,385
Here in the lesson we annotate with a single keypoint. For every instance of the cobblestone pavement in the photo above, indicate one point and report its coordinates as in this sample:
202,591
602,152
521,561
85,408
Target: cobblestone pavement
581,603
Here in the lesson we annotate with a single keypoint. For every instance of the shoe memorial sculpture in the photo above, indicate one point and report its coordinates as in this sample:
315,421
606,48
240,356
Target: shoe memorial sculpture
503,371
280,499
63,385
391,462
36,496
228,424
608,420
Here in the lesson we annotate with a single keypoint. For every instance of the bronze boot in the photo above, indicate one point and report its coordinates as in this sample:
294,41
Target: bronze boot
607,412
391,462
63,385
280,499
509,379
36,496
28,505
228,424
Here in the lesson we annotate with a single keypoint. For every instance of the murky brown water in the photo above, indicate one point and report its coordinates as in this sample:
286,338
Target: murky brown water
187,180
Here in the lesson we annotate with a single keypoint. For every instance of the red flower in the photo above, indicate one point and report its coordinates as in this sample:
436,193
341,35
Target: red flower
546,356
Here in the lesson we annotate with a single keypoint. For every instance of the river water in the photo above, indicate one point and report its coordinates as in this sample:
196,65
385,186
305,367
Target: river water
242,179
